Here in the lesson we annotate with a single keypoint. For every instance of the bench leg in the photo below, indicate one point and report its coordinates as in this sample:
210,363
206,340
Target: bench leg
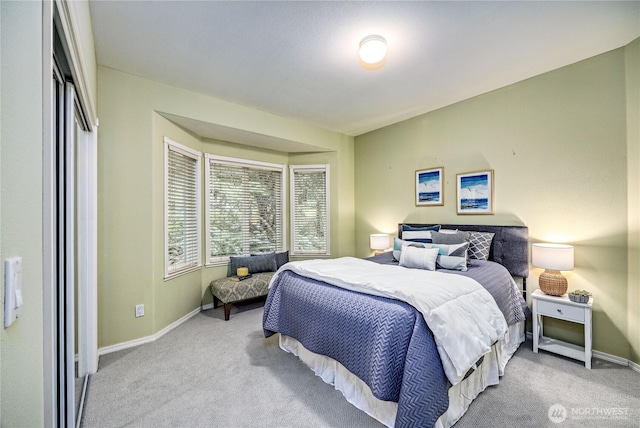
216,301
227,311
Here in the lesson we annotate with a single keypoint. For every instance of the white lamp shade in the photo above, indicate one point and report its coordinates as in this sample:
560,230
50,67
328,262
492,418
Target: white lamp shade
379,241
373,49
552,256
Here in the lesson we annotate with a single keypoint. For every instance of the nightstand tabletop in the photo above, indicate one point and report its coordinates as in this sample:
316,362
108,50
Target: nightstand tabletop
564,299
562,308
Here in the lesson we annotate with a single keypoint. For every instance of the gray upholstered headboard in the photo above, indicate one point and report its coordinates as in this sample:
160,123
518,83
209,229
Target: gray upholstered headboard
510,246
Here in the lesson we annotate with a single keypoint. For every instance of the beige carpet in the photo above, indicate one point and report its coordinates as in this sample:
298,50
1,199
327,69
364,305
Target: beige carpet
212,373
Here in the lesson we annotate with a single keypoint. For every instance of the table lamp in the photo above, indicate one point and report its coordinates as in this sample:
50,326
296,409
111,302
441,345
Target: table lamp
553,258
379,242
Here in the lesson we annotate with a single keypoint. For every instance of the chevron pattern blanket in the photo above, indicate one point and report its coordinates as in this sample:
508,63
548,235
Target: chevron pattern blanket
384,342
462,315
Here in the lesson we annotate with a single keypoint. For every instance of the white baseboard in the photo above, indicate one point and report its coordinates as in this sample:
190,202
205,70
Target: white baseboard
147,339
607,357
611,358
133,343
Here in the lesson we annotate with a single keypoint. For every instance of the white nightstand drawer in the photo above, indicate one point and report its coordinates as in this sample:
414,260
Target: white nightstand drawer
562,311
562,308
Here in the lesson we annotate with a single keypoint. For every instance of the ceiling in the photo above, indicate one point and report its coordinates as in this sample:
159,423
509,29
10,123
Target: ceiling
299,59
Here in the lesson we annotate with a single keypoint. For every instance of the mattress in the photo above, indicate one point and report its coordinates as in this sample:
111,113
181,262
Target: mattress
379,352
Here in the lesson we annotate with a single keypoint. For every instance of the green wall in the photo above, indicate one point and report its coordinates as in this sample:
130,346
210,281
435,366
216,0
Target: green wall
24,47
131,195
632,57
558,145
21,353
583,116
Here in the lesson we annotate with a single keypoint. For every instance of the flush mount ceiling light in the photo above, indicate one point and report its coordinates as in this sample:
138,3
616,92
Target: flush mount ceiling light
373,49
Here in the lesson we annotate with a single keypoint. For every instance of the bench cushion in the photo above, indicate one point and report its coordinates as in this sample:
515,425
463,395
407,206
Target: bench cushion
229,291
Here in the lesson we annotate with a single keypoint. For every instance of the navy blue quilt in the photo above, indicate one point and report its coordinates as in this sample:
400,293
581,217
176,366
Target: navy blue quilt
384,342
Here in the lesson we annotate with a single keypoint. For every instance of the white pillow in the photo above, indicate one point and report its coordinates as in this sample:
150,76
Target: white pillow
418,258
408,235
448,231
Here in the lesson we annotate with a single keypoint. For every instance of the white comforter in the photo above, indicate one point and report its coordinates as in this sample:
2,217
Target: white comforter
462,315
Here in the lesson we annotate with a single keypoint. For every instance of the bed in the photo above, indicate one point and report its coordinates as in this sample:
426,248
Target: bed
408,346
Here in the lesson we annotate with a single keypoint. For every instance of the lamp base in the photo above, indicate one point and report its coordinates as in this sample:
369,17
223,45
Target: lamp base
552,282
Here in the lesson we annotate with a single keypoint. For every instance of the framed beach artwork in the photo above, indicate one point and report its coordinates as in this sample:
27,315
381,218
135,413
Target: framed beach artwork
474,192
429,188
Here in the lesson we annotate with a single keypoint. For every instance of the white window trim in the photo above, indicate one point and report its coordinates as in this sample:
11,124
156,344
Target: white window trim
225,260
312,168
197,156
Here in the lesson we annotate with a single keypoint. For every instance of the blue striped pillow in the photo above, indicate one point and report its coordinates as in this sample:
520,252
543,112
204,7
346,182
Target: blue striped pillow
418,234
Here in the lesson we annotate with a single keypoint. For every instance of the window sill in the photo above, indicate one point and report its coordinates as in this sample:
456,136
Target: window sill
308,256
218,263
182,272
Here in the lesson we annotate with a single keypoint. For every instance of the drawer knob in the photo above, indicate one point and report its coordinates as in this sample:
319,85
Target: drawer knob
559,311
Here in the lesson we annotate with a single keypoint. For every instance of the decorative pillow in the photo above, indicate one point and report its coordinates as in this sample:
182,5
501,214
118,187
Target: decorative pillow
398,243
255,264
458,250
480,245
452,263
418,234
281,258
450,238
397,248
406,227
418,258
451,256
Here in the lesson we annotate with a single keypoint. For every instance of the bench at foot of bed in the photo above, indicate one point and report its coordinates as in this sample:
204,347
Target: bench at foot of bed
228,292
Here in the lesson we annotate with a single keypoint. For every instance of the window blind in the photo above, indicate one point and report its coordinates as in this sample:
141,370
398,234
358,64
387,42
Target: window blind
182,209
310,210
245,208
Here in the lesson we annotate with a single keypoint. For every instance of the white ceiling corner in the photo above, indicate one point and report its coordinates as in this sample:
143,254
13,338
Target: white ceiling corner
298,59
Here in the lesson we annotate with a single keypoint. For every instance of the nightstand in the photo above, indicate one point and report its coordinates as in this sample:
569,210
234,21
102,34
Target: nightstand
561,307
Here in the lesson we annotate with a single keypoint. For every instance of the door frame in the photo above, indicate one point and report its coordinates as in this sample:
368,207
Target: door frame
87,239
58,15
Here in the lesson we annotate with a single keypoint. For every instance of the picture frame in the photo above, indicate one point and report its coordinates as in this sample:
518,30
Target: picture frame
474,192
429,187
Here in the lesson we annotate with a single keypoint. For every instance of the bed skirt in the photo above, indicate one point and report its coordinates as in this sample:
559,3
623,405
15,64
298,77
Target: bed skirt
461,395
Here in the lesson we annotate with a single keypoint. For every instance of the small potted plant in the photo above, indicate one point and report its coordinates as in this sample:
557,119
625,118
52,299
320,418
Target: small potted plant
579,296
